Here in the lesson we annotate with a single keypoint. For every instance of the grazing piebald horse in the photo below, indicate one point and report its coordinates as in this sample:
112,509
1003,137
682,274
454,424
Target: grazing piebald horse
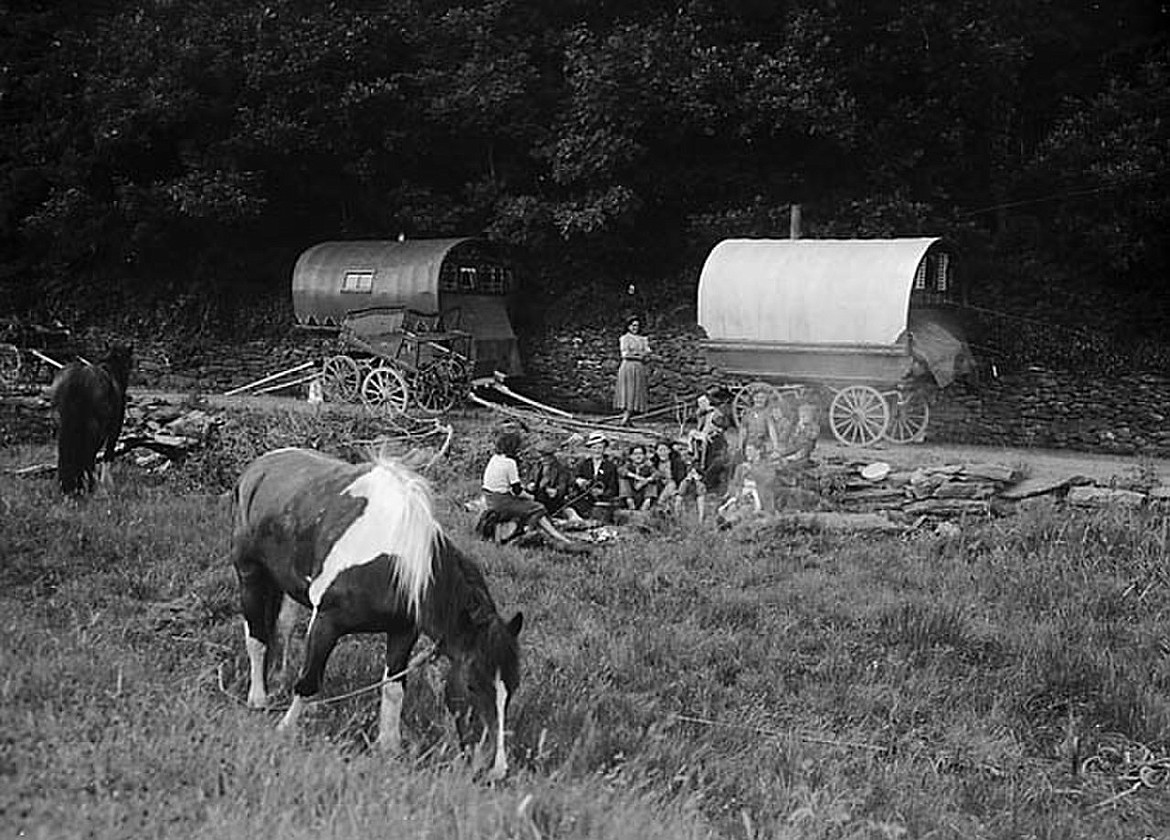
90,401
359,545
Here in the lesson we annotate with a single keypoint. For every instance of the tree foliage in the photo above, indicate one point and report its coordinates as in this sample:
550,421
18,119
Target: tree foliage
158,150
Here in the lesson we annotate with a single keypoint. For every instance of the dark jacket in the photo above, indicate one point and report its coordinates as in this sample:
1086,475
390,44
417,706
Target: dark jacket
551,475
605,479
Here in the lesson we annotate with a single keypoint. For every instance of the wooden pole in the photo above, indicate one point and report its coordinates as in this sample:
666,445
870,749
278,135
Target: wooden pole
268,378
47,360
504,389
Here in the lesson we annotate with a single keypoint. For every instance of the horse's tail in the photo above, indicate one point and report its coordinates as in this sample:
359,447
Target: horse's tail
76,448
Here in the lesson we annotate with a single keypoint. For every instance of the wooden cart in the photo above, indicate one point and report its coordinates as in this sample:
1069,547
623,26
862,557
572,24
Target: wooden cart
393,358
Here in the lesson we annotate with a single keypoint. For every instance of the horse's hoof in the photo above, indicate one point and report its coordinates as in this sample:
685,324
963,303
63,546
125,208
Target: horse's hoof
388,746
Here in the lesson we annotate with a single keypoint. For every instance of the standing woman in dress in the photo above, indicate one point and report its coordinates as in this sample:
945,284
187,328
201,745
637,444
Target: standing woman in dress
630,395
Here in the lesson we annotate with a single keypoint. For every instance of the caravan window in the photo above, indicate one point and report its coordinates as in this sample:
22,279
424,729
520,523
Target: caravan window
358,282
942,279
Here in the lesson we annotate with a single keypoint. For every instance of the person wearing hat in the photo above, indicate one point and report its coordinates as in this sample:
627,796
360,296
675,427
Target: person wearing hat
596,476
631,391
550,481
505,498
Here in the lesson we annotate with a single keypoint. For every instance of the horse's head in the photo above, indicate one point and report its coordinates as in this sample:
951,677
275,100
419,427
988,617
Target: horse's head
484,676
118,362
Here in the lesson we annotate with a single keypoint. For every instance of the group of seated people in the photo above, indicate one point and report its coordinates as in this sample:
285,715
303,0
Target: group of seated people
776,438
737,469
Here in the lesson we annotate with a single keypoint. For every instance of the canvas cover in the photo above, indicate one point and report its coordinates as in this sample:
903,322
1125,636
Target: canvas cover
937,342
809,291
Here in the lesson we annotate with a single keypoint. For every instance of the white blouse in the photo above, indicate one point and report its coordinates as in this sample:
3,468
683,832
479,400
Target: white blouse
635,347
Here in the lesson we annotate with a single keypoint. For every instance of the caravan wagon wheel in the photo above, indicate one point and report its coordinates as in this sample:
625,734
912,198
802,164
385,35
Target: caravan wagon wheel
909,416
858,415
9,364
341,379
441,385
384,389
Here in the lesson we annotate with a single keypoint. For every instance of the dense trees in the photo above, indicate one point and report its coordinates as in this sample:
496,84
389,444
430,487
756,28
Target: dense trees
165,149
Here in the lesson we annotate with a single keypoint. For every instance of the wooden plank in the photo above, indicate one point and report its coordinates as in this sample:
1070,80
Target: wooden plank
1034,487
965,490
947,507
991,472
1089,496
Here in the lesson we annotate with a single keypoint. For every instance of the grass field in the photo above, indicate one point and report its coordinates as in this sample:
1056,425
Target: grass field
1010,682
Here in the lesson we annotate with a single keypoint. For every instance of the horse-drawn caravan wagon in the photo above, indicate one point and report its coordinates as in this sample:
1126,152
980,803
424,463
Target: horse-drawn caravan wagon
870,320
415,319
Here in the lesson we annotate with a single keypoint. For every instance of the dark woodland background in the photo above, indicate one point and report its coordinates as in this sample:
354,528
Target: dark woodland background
164,163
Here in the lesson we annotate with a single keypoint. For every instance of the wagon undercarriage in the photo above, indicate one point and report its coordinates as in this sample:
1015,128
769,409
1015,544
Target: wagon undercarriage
417,366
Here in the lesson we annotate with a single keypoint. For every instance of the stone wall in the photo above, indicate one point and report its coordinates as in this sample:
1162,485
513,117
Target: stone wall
1035,407
575,369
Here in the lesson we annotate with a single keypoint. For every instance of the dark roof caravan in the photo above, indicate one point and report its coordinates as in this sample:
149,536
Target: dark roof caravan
465,280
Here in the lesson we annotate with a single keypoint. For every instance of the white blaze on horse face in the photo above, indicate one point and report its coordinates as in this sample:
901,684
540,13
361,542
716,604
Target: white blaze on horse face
398,520
257,695
286,621
500,763
389,723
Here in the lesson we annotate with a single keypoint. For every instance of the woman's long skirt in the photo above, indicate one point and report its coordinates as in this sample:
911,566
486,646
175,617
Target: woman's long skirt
631,391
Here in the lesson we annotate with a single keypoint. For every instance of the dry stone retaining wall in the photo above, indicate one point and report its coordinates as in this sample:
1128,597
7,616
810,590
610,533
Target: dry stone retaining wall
1125,414
1035,407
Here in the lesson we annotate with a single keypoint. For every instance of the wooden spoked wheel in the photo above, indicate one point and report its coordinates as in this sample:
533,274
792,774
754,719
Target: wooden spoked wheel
858,415
909,416
441,385
341,379
384,389
9,364
746,396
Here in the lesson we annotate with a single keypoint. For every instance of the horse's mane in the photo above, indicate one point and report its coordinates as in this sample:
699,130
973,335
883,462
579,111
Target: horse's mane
403,504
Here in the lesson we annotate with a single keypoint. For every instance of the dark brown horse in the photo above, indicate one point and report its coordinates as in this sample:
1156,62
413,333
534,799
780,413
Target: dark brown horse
359,545
90,401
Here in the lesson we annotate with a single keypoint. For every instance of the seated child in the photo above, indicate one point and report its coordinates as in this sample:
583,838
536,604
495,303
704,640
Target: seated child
638,480
669,470
759,424
804,436
715,458
752,488
688,480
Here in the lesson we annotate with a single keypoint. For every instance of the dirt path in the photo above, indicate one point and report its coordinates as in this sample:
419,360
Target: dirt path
1037,463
